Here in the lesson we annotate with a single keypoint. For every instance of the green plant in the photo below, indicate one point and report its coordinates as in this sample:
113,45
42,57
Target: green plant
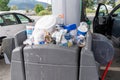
88,10
27,10
89,3
49,7
44,12
4,5
38,8
14,7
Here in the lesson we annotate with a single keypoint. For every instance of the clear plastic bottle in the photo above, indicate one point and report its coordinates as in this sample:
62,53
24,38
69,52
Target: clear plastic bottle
81,32
61,20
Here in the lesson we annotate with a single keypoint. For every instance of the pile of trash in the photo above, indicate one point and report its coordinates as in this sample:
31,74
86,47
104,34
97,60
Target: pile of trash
51,30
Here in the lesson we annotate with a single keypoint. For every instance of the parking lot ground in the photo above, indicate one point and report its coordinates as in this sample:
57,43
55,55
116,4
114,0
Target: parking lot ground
114,70
4,71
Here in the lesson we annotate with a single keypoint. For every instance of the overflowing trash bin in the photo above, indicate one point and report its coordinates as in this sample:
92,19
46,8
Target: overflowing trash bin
51,62
48,55
56,54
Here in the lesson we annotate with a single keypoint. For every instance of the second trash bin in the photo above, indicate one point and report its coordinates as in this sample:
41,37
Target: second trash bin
102,48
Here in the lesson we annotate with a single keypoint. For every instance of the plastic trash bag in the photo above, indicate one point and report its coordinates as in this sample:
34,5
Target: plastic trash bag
43,25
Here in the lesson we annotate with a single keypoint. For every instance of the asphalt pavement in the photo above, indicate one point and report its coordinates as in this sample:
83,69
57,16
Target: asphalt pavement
4,71
114,70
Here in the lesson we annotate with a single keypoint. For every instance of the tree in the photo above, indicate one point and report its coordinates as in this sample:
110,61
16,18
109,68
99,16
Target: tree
89,3
49,7
44,12
4,5
111,2
117,2
101,1
38,8
14,7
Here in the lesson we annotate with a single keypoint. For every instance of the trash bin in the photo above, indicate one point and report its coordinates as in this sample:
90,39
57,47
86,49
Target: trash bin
47,62
102,48
20,37
10,43
88,69
7,47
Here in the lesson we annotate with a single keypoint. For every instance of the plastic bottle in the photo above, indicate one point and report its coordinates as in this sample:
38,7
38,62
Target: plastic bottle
64,42
70,43
61,20
82,29
81,40
81,32
29,30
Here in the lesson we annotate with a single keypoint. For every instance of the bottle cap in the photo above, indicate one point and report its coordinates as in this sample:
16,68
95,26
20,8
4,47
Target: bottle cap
61,15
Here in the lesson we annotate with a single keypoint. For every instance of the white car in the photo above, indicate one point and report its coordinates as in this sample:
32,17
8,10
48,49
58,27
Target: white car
11,23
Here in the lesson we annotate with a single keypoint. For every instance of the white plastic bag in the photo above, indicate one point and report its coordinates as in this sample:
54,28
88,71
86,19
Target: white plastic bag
46,23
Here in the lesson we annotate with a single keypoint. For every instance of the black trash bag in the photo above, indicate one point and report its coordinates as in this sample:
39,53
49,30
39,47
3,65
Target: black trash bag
102,48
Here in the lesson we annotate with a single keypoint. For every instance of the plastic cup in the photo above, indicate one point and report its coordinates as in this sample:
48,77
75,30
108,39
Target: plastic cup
29,30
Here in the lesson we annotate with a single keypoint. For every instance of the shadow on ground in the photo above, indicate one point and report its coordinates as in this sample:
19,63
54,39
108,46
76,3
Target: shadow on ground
4,71
114,70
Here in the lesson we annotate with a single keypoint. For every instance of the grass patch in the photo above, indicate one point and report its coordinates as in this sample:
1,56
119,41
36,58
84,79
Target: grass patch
44,12
88,10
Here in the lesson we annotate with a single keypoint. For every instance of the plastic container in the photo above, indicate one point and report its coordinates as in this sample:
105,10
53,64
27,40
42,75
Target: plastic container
70,27
82,29
29,30
46,23
61,19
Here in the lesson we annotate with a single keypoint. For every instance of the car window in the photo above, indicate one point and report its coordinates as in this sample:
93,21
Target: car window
1,21
10,19
102,11
117,12
23,19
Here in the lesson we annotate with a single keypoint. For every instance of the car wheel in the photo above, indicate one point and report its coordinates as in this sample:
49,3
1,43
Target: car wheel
1,56
1,38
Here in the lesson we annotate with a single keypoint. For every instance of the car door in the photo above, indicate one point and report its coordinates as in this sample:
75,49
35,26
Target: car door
115,21
109,24
2,29
100,19
14,24
11,25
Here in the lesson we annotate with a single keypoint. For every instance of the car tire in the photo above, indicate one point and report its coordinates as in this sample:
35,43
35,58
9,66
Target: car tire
1,56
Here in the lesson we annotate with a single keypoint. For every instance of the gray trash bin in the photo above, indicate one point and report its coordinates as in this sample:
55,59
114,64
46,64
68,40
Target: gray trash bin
52,62
20,37
47,62
102,48
7,47
88,69
10,43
